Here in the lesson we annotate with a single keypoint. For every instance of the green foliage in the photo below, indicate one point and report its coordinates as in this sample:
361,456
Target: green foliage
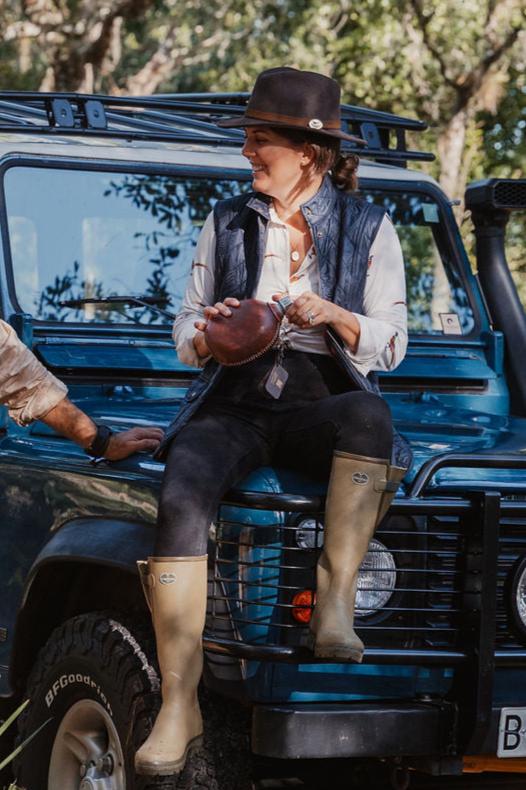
4,726
438,60
11,78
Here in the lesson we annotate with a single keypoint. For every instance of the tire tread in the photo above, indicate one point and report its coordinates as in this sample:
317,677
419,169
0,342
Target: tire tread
116,644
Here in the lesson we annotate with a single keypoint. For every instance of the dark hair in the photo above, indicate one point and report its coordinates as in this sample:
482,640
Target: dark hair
327,157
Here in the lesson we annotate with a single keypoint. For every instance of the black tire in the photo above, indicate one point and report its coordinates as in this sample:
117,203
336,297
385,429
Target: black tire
99,662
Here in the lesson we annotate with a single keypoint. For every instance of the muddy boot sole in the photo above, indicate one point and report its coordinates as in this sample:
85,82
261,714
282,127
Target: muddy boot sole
339,652
171,768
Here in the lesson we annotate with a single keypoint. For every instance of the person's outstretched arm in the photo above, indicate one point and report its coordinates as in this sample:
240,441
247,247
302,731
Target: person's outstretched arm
69,421
31,393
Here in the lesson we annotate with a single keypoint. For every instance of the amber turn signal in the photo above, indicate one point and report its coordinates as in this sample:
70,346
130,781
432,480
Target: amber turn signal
303,603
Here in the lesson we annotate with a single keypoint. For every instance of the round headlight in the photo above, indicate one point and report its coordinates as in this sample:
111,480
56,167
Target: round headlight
518,596
376,579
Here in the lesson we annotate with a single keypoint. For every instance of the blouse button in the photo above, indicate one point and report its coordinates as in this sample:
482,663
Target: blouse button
319,234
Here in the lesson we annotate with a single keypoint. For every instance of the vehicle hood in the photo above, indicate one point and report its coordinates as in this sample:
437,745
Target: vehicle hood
432,429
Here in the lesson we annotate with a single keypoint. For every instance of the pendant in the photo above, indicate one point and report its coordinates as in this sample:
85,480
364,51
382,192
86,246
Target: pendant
295,255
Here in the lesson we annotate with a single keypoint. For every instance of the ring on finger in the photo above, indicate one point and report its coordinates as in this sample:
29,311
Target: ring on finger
310,317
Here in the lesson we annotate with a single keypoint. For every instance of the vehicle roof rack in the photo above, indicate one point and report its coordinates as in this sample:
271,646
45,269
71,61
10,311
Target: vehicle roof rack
187,117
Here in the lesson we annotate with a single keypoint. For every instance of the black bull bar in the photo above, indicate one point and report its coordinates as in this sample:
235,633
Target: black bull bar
476,659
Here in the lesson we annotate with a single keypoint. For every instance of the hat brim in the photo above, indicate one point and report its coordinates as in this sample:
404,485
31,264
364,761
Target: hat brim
244,120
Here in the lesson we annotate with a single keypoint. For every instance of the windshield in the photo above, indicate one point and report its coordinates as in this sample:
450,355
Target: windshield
77,234
86,234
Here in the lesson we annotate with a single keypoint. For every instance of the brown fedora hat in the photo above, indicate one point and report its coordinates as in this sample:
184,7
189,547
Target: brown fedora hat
294,99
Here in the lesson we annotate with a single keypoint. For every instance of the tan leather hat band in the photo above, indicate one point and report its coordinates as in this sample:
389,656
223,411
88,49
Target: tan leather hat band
290,119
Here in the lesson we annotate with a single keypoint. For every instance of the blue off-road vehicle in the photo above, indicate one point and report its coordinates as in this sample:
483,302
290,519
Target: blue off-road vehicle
101,202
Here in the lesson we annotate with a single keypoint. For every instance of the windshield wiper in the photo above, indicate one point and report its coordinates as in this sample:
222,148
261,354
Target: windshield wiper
151,302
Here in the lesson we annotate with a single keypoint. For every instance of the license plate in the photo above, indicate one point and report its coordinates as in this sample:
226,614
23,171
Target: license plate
512,733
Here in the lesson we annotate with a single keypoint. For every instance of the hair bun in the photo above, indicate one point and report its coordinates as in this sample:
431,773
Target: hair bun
344,175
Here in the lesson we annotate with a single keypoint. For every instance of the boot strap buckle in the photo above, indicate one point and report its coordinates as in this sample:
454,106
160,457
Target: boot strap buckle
147,578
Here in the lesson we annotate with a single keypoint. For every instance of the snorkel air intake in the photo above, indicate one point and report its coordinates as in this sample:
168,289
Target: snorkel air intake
491,201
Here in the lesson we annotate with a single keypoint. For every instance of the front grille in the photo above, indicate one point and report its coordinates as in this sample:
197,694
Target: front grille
257,570
257,567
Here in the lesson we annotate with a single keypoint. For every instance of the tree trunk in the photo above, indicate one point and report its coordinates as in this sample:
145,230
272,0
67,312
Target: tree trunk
450,146
158,69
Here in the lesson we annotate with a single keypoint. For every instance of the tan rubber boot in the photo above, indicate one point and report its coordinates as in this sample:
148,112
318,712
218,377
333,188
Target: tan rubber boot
360,492
175,589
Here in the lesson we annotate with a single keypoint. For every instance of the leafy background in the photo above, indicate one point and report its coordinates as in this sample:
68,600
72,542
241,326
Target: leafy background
459,66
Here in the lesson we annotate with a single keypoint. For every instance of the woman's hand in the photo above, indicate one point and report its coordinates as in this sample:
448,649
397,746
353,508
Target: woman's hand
310,310
220,308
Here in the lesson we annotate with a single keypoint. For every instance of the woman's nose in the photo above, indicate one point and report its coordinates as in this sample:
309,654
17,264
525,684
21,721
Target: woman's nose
247,149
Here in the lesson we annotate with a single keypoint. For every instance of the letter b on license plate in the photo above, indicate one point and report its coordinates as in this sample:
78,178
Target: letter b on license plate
512,733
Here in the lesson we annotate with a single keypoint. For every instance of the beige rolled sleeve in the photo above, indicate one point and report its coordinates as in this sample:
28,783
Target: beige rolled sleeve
26,387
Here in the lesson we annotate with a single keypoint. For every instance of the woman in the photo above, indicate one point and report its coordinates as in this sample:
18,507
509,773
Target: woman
300,232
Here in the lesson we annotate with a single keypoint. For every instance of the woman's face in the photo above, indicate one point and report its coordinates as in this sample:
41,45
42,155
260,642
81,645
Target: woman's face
279,167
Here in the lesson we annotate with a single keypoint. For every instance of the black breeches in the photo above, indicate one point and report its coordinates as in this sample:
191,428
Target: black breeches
238,430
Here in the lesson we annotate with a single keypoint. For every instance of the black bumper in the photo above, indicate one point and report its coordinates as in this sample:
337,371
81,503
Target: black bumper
296,731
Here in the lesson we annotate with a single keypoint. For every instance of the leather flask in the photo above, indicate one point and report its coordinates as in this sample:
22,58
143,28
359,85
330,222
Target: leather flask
251,330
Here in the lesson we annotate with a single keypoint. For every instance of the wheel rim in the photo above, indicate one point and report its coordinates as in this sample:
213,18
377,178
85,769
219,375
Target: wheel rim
87,753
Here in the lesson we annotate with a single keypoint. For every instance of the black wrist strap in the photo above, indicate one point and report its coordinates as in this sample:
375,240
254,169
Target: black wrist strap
100,443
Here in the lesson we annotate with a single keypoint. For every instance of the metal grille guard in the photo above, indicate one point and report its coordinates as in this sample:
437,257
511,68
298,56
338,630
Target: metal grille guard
472,651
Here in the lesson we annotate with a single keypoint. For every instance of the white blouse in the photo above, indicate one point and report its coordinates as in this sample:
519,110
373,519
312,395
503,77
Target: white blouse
383,326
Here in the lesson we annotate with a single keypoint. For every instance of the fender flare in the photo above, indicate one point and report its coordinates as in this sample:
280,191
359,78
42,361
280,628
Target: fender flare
111,542
106,542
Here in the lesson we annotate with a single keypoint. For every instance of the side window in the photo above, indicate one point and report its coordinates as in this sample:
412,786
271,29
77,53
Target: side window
437,302
78,234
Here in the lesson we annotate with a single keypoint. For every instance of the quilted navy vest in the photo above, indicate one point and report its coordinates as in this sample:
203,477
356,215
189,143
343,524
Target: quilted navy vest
342,228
